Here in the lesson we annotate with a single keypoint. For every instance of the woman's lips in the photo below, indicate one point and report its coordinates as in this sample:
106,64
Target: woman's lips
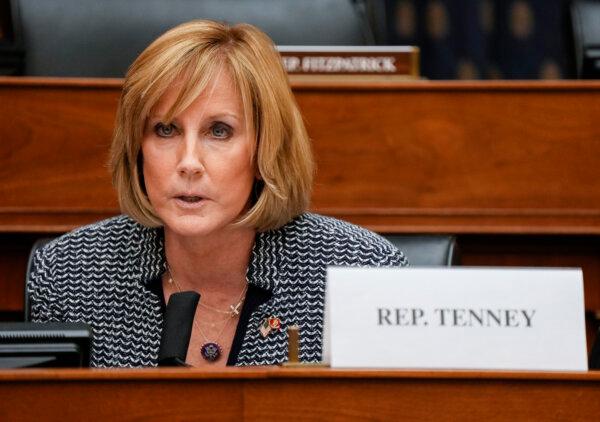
190,201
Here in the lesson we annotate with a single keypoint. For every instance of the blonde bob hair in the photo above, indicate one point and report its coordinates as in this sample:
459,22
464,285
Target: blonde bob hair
195,52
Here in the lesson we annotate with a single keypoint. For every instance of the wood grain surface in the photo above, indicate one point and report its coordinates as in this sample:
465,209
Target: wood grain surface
405,157
297,394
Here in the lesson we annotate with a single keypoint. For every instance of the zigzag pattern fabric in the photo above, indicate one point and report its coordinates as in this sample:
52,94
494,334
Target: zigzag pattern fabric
100,274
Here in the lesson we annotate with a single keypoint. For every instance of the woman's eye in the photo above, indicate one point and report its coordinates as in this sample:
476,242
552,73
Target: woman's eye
220,131
164,130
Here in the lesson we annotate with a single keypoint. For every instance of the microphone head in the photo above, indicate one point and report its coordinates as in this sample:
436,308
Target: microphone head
177,328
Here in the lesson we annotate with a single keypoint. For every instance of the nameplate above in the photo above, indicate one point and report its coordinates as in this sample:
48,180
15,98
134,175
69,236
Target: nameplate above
455,318
351,60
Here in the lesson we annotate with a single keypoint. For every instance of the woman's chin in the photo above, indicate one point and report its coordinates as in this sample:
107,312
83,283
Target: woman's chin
194,226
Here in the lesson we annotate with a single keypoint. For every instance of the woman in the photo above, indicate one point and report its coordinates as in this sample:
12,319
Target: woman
213,169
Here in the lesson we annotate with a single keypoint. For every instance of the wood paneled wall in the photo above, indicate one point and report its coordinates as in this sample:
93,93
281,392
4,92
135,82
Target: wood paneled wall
510,167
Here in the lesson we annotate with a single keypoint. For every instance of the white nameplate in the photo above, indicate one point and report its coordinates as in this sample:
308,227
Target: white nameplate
455,318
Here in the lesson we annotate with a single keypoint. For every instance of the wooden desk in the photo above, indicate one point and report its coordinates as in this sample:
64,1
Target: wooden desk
297,394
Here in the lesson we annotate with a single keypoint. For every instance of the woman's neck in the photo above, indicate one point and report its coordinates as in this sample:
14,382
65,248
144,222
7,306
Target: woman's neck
215,264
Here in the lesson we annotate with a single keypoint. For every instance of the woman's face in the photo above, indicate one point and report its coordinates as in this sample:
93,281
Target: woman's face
198,168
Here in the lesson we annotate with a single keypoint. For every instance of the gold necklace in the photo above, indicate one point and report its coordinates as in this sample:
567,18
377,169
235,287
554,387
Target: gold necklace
234,309
212,350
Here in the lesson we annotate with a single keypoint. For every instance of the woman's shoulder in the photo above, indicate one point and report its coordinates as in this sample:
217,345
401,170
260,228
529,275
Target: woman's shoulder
341,242
103,238
92,268
316,223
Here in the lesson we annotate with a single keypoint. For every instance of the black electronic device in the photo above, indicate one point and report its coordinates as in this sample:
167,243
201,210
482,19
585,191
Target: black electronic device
55,344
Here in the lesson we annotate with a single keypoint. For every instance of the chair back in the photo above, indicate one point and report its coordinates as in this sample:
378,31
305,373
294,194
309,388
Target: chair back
585,22
427,250
102,38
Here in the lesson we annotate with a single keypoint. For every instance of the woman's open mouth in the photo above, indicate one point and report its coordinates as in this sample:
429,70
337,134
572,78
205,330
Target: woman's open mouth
189,201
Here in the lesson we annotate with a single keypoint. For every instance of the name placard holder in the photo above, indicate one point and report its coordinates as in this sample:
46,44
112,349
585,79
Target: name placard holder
455,318
350,62
294,351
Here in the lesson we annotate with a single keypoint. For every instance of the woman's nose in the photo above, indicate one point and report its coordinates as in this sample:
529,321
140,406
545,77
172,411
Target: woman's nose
190,163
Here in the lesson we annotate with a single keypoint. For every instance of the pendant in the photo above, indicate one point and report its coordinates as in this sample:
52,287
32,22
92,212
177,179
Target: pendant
211,351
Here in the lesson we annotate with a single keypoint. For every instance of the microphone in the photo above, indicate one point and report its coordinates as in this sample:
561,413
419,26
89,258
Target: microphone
177,328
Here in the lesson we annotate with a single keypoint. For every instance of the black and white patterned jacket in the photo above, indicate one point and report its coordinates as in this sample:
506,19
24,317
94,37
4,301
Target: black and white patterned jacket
108,275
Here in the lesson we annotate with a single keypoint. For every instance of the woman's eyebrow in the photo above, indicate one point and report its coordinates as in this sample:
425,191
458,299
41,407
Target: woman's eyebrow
211,117
222,115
